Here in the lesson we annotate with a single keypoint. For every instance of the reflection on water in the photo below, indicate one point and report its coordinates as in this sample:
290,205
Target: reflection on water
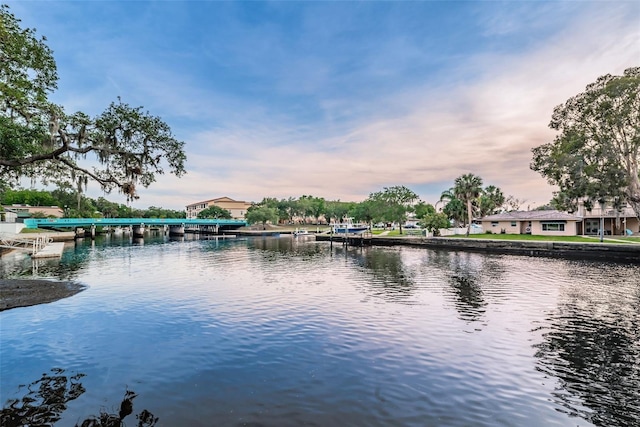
48,397
390,277
470,302
283,331
469,277
592,345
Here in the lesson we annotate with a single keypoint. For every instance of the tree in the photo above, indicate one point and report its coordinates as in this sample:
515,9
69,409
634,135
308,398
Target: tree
367,211
74,203
490,200
597,152
512,203
434,221
261,214
446,197
28,197
467,188
422,209
108,209
453,207
395,202
158,212
547,207
430,219
338,211
214,212
284,210
291,208
317,208
304,206
126,146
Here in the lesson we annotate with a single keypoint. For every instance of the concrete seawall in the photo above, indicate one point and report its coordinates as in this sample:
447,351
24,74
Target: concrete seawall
596,251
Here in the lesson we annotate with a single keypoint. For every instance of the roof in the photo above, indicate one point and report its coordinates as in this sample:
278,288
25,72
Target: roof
550,215
219,199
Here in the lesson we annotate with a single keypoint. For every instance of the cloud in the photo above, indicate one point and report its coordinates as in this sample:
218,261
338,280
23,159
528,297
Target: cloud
487,126
280,100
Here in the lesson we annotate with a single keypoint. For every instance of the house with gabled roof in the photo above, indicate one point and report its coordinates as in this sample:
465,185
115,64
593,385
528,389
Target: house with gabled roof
237,208
544,223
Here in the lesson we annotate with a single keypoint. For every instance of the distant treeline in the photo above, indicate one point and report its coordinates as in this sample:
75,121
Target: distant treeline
77,205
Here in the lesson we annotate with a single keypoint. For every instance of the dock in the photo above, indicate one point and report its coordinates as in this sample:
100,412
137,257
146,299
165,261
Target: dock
41,245
351,239
52,250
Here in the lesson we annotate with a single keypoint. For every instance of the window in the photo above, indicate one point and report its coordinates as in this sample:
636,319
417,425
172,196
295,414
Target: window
494,223
552,226
513,224
592,226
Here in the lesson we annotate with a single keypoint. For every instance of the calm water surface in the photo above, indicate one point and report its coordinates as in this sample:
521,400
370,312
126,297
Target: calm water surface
281,332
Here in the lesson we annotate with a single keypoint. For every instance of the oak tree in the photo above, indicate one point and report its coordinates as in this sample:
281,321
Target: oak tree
120,148
214,212
394,203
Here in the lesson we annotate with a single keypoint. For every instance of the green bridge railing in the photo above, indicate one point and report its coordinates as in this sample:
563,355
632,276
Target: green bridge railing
88,222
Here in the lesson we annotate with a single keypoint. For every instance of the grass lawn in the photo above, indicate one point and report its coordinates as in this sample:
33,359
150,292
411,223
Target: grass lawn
396,233
378,231
579,239
34,230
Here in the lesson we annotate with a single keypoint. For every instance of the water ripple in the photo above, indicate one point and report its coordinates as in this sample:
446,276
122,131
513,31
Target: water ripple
276,332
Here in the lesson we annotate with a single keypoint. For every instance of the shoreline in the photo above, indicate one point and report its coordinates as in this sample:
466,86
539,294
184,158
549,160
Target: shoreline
16,293
552,249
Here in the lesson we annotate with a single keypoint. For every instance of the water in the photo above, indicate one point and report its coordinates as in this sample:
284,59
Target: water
281,332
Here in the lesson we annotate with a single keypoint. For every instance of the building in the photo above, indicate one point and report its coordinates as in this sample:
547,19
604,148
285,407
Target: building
542,223
617,222
237,208
27,211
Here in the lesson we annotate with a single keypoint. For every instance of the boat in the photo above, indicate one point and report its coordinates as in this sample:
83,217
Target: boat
349,228
302,232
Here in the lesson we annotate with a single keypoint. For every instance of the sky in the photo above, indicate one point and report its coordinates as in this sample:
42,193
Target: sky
337,99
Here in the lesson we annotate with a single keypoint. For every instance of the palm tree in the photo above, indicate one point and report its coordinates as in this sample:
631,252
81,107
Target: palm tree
452,207
446,196
468,188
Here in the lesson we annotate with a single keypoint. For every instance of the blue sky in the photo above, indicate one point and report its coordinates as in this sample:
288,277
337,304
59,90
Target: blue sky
337,99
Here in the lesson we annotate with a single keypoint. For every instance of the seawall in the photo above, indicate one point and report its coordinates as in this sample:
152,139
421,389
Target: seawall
596,251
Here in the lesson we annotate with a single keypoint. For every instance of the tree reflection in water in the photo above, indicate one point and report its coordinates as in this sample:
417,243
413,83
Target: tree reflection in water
47,399
465,279
593,349
470,301
393,281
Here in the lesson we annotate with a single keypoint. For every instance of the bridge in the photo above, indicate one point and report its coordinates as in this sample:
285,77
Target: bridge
125,222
